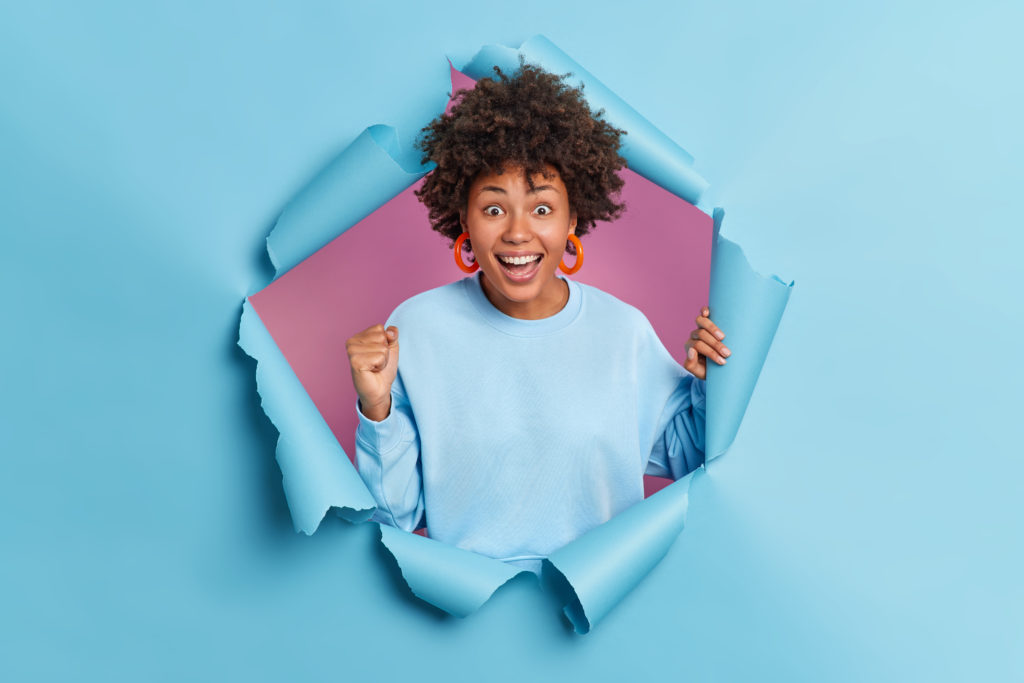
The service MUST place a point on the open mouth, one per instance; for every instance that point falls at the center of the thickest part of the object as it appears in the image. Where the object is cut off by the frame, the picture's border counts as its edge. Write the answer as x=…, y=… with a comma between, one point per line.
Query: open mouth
x=520, y=268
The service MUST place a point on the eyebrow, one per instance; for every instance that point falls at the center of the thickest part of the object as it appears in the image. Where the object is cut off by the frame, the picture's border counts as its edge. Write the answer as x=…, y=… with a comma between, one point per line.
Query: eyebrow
x=495, y=188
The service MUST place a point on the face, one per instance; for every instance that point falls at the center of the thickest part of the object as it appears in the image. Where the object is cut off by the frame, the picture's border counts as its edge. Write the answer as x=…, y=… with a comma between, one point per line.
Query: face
x=518, y=237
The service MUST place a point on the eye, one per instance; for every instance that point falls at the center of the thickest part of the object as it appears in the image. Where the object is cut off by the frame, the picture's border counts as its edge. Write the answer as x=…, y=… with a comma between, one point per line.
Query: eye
x=494, y=210
x=542, y=210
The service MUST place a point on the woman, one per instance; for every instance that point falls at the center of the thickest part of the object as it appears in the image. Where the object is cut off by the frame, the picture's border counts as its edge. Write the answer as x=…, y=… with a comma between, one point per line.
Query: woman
x=526, y=407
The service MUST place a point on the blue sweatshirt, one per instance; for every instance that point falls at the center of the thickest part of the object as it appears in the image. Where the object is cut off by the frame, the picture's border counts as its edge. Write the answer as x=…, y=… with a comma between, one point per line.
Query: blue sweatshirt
x=513, y=437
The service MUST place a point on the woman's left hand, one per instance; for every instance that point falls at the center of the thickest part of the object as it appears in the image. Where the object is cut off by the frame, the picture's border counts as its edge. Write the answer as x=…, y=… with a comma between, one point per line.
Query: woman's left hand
x=705, y=342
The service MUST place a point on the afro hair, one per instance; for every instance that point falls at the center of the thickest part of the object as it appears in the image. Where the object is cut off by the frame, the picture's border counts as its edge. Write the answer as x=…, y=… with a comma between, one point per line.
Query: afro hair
x=529, y=120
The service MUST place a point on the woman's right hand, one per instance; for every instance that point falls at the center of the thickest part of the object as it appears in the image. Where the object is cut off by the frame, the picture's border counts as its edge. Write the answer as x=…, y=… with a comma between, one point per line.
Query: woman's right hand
x=373, y=357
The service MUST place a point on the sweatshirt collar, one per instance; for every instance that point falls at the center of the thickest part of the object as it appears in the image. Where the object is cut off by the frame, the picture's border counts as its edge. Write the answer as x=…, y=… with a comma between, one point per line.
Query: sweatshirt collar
x=516, y=326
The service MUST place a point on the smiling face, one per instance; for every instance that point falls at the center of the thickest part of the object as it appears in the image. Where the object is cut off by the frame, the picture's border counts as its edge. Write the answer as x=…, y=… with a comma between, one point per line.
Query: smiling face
x=518, y=236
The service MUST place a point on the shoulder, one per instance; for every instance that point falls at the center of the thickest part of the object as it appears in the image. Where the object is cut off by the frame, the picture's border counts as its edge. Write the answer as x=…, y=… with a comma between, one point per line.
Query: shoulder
x=431, y=305
x=610, y=310
x=625, y=326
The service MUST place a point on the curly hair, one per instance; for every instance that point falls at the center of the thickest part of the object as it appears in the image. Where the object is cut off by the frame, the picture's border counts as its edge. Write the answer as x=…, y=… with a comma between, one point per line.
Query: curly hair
x=528, y=120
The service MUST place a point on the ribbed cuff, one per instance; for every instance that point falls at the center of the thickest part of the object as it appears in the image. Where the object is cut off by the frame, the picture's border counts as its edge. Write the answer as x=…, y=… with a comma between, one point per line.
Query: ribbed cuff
x=381, y=436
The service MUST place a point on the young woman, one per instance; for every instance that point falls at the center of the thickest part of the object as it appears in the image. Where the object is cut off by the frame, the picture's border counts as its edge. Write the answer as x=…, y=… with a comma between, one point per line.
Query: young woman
x=526, y=407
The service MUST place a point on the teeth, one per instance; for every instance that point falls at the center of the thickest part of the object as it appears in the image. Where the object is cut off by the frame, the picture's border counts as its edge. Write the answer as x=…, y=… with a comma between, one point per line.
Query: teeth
x=518, y=260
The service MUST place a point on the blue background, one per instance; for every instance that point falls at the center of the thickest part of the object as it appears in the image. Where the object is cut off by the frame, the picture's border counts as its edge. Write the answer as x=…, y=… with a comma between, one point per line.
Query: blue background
x=866, y=525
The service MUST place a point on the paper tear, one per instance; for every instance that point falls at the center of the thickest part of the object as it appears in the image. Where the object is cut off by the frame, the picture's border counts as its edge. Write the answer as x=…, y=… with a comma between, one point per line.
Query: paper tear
x=650, y=152
x=316, y=474
x=455, y=580
x=596, y=571
x=460, y=81
x=370, y=171
x=592, y=574
x=749, y=307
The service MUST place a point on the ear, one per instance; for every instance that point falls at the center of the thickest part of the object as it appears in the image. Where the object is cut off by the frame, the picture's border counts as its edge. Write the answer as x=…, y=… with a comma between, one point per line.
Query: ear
x=462, y=220
x=572, y=223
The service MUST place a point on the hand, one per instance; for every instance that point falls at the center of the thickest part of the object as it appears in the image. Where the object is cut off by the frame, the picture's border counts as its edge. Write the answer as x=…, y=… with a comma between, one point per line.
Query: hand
x=705, y=342
x=373, y=357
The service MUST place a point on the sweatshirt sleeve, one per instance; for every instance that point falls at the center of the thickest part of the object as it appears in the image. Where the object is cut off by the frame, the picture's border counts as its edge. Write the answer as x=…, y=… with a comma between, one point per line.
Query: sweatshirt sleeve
x=670, y=409
x=388, y=458
x=680, y=447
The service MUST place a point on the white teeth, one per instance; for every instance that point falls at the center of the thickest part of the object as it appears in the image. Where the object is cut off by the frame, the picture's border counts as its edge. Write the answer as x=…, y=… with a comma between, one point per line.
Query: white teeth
x=518, y=260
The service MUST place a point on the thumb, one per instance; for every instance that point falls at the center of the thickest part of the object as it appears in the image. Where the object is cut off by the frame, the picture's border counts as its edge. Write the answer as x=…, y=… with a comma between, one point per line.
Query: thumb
x=691, y=359
x=392, y=335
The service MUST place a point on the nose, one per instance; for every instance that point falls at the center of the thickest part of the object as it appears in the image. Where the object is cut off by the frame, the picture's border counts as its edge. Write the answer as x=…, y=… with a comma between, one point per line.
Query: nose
x=517, y=229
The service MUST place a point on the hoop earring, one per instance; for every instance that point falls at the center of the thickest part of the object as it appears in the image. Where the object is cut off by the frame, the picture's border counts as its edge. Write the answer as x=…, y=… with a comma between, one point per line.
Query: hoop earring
x=579, y=257
x=458, y=255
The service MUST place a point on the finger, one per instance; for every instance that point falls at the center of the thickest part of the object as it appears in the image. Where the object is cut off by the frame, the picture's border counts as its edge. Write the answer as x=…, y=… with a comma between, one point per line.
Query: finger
x=701, y=333
x=392, y=335
x=706, y=350
x=691, y=359
x=357, y=347
x=370, y=361
x=367, y=338
x=374, y=332
x=703, y=321
x=369, y=355
x=693, y=364
x=376, y=336
x=718, y=346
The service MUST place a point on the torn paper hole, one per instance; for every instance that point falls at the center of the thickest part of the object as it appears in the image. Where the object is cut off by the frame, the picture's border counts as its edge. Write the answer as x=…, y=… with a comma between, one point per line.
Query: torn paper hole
x=328, y=238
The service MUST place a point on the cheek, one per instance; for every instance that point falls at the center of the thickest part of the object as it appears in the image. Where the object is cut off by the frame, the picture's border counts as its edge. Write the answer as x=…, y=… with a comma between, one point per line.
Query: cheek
x=477, y=240
x=556, y=242
x=481, y=234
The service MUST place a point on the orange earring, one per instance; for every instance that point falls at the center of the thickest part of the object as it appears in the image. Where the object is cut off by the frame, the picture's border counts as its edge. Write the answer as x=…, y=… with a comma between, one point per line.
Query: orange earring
x=458, y=255
x=579, y=257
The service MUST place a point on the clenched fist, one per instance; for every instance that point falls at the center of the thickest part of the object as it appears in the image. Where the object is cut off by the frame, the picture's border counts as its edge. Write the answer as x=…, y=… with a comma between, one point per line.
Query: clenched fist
x=373, y=356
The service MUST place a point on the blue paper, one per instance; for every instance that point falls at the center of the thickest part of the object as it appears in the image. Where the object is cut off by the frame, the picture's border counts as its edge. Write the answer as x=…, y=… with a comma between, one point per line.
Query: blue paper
x=748, y=306
x=874, y=150
x=455, y=580
x=592, y=574
x=649, y=152
x=316, y=474
x=369, y=172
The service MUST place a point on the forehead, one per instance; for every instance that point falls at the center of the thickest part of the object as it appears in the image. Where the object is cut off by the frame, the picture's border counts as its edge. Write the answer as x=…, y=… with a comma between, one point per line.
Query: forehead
x=513, y=178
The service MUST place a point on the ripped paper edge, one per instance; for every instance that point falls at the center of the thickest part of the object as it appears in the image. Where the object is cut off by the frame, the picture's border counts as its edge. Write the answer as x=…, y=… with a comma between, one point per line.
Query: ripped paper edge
x=292, y=412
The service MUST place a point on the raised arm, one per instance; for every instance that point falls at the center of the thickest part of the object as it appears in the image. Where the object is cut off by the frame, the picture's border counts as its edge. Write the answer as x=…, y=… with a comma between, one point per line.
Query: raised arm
x=388, y=458
x=387, y=443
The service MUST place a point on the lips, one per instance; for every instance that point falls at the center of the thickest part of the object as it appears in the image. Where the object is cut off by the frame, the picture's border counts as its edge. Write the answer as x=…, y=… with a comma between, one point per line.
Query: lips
x=520, y=273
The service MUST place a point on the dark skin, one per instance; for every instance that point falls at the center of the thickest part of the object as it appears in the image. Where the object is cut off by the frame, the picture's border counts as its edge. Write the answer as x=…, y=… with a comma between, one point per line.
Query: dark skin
x=705, y=342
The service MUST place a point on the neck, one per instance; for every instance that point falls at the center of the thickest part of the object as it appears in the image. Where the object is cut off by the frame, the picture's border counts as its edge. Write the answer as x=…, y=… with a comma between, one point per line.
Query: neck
x=551, y=300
